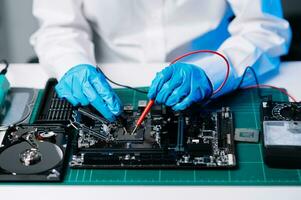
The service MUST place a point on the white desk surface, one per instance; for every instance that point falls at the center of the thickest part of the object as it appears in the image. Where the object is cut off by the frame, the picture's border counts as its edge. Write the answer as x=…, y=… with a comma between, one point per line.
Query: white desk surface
x=33, y=75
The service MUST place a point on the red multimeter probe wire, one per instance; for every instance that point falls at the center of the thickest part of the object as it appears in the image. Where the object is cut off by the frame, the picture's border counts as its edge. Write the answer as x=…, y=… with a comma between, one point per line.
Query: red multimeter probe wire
x=152, y=101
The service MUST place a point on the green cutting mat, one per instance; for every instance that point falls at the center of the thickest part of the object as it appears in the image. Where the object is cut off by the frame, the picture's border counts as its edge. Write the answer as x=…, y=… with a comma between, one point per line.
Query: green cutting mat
x=251, y=169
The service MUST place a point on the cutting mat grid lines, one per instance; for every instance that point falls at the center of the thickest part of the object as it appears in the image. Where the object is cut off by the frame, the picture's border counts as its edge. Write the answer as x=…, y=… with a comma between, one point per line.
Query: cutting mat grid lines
x=251, y=169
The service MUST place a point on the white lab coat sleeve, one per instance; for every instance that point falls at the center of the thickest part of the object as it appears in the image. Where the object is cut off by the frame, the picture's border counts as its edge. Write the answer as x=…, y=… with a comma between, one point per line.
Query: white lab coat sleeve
x=258, y=36
x=64, y=38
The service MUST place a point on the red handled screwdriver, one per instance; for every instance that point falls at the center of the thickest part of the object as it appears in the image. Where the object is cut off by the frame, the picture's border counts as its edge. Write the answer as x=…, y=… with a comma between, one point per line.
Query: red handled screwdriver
x=144, y=113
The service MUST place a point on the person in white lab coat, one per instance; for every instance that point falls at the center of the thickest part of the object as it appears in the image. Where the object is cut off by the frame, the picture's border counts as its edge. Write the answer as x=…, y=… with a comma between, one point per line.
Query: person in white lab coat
x=75, y=34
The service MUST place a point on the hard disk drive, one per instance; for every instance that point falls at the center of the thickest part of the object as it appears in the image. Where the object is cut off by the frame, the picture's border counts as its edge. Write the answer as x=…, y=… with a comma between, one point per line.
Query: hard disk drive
x=34, y=148
x=33, y=153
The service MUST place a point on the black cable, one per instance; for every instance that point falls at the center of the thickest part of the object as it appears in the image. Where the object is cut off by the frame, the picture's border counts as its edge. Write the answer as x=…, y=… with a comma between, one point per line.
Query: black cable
x=255, y=77
x=121, y=85
x=3, y=71
x=145, y=92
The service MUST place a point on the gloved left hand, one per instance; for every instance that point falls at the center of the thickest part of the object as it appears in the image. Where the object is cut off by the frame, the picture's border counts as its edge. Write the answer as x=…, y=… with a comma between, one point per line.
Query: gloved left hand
x=179, y=85
x=84, y=84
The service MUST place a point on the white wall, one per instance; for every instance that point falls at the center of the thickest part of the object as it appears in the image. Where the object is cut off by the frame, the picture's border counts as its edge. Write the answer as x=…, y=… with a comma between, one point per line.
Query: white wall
x=16, y=26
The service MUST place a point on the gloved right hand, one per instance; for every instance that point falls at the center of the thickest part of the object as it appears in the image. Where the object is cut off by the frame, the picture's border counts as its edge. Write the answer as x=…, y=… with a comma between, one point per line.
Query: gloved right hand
x=179, y=85
x=84, y=84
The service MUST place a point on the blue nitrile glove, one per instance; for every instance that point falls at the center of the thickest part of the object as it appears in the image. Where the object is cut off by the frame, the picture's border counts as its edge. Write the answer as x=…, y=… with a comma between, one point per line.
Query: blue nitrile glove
x=179, y=85
x=84, y=84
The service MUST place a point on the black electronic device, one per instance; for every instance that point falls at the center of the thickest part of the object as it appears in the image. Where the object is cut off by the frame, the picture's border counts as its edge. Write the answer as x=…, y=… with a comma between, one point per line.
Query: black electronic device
x=35, y=151
x=192, y=139
x=282, y=134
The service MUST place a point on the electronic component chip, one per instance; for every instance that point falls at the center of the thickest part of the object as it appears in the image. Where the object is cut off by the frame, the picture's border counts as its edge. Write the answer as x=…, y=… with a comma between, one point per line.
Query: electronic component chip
x=142, y=103
x=128, y=108
x=246, y=135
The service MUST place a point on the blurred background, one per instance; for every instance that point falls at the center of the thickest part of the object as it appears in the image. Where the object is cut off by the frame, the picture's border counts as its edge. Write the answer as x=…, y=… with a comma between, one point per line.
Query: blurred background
x=17, y=24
